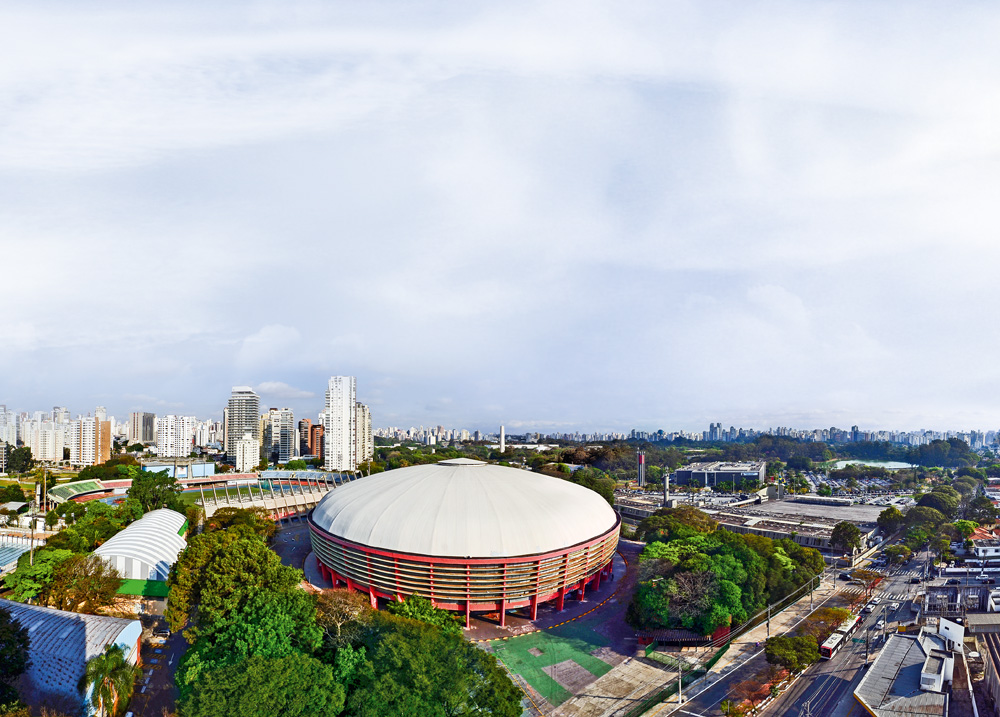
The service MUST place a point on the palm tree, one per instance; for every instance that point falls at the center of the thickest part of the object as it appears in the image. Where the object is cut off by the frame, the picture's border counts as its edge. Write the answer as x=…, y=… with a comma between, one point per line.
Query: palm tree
x=112, y=678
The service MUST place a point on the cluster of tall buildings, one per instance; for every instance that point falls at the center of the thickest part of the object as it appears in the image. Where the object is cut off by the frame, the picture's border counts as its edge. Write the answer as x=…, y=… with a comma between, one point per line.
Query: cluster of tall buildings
x=716, y=433
x=342, y=436
x=54, y=436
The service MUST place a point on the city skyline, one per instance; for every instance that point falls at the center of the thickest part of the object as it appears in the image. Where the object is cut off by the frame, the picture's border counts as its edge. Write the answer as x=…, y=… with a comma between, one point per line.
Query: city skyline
x=544, y=216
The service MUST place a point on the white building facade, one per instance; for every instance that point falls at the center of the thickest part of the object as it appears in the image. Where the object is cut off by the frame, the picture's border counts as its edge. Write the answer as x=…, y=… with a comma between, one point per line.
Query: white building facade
x=174, y=436
x=247, y=453
x=242, y=415
x=364, y=439
x=339, y=421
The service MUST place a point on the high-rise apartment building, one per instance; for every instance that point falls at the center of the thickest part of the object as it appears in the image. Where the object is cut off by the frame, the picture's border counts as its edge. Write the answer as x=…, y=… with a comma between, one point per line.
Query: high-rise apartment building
x=242, y=416
x=8, y=426
x=339, y=423
x=280, y=437
x=174, y=436
x=316, y=440
x=364, y=439
x=246, y=453
x=90, y=442
x=46, y=440
x=305, y=447
x=140, y=428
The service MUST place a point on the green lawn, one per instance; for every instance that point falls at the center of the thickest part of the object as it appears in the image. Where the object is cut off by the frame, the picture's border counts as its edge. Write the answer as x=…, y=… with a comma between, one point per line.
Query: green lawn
x=574, y=641
x=146, y=588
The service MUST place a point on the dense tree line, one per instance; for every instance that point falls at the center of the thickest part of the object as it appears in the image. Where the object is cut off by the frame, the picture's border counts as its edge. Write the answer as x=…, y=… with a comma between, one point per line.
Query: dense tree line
x=699, y=577
x=261, y=645
x=64, y=574
x=950, y=453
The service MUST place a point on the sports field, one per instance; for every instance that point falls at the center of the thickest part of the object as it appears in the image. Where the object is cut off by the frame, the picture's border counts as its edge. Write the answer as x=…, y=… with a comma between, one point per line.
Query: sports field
x=557, y=663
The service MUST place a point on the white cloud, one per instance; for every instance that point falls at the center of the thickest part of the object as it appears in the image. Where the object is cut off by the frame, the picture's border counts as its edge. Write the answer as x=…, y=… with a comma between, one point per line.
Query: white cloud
x=580, y=212
x=280, y=389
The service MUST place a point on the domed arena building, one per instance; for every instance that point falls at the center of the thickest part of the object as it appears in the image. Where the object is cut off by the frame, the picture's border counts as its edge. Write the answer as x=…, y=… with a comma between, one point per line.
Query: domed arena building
x=470, y=536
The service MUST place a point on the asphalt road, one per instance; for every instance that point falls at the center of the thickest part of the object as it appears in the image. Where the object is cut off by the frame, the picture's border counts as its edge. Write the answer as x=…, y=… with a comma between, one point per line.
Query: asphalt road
x=828, y=687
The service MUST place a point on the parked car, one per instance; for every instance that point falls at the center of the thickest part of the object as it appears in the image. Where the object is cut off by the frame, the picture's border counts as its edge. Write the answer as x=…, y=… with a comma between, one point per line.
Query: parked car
x=876, y=600
x=914, y=580
x=894, y=606
x=953, y=581
x=880, y=625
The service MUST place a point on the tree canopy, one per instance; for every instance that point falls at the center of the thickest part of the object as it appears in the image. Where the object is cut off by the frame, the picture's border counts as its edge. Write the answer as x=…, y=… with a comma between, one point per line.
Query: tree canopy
x=792, y=653
x=216, y=576
x=14, y=659
x=982, y=511
x=155, y=490
x=417, y=669
x=846, y=536
x=289, y=686
x=890, y=520
x=417, y=607
x=700, y=581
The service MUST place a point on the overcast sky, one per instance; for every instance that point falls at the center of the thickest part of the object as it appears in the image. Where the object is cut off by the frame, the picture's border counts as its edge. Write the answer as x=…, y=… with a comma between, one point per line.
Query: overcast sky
x=554, y=215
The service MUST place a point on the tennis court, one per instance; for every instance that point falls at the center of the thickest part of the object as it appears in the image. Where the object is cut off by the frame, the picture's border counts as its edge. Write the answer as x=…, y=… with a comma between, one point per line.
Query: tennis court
x=558, y=662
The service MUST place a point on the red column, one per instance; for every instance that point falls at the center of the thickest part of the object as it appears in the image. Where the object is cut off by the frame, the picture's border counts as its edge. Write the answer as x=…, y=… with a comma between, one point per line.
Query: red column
x=583, y=588
x=561, y=600
x=534, y=606
x=597, y=580
x=371, y=596
x=503, y=613
x=468, y=615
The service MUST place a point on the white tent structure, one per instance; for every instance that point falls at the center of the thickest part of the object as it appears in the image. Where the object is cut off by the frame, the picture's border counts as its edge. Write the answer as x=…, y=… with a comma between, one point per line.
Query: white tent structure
x=148, y=548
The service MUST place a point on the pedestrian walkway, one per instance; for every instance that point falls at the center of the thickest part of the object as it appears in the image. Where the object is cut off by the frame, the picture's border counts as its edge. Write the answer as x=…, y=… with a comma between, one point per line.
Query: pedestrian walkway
x=853, y=590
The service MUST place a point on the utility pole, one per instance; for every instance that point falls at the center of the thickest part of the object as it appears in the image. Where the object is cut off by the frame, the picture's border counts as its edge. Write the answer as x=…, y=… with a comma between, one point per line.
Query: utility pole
x=680, y=682
x=768, y=620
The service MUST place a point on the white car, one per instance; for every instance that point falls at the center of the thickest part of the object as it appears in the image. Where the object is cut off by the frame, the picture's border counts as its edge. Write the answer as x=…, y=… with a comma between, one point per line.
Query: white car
x=876, y=600
x=894, y=606
x=880, y=624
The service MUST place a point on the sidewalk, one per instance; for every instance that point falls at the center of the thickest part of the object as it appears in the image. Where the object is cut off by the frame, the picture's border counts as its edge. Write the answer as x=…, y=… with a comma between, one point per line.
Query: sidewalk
x=745, y=646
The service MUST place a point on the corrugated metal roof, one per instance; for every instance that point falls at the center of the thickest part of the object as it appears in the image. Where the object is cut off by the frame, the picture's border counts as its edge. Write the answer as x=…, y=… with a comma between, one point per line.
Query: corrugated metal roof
x=61, y=643
x=153, y=540
x=463, y=508
x=891, y=687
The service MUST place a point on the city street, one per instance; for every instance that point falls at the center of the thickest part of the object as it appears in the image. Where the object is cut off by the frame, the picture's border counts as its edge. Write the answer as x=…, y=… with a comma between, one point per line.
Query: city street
x=828, y=687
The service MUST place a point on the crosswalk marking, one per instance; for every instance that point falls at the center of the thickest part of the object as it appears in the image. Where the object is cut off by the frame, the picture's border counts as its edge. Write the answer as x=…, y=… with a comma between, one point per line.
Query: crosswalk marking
x=856, y=590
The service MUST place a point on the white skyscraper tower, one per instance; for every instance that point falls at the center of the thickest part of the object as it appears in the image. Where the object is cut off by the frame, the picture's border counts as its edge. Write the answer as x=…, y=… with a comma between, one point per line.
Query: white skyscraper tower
x=242, y=416
x=339, y=420
x=174, y=436
x=364, y=439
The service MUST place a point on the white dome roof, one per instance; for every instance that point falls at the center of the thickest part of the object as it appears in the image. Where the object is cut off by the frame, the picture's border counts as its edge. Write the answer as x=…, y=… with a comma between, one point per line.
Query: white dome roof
x=464, y=508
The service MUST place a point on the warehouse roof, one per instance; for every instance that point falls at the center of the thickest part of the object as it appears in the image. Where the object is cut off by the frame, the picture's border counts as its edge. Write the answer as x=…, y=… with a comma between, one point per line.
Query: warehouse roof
x=464, y=508
x=891, y=687
x=61, y=643
x=154, y=539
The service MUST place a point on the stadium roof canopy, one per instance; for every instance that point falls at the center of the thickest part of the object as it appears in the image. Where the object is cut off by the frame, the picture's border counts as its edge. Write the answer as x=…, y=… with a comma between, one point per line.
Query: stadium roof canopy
x=147, y=548
x=464, y=508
